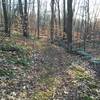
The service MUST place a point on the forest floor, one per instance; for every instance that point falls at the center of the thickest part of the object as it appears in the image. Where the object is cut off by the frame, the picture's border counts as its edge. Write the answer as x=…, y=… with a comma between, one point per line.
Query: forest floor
x=37, y=70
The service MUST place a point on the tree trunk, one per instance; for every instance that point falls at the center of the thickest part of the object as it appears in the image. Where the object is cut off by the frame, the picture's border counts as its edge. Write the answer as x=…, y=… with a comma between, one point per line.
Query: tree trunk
x=38, y=18
x=33, y=6
x=52, y=21
x=7, y=30
x=59, y=21
x=25, y=30
x=24, y=18
x=64, y=18
x=69, y=23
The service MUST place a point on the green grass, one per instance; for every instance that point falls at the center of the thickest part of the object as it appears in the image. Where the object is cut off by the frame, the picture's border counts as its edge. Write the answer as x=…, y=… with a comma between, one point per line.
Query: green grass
x=6, y=72
x=12, y=53
x=87, y=98
x=51, y=84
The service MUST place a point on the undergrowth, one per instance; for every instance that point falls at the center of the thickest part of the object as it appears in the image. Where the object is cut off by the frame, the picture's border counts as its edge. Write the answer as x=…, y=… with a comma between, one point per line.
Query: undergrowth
x=15, y=51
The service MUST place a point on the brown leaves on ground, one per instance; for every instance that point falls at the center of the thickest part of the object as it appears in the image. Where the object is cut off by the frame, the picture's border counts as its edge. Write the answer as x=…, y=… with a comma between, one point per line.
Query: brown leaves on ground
x=53, y=75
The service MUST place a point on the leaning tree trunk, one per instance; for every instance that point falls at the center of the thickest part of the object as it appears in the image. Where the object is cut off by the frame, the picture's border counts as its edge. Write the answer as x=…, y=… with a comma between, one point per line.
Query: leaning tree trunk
x=7, y=30
x=69, y=23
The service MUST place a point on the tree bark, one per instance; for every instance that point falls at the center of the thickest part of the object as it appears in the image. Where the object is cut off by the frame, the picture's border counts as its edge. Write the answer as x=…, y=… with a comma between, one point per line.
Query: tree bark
x=52, y=21
x=38, y=18
x=58, y=6
x=64, y=18
x=25, y=31
x=7, y=30
x=24, y=18
x=69, y=23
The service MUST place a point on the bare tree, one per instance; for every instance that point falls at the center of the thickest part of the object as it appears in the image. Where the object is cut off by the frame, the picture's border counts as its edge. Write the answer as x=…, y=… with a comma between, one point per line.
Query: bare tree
x=38, y=18
x=34, y=18
x=24, y=17
x=58, y=7
x=33, y=6
x=55, y=20
x=25, y=33
x=52, y=20
x=7, y=30
x=44, y=14
x=64, y=18
x=69, y=23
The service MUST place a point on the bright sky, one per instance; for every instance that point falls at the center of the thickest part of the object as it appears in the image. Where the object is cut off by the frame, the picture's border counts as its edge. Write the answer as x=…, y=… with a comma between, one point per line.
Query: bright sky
x=94, y=6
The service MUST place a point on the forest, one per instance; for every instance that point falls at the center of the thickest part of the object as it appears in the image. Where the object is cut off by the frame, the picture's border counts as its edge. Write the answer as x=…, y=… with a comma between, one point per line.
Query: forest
x=49, y=49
